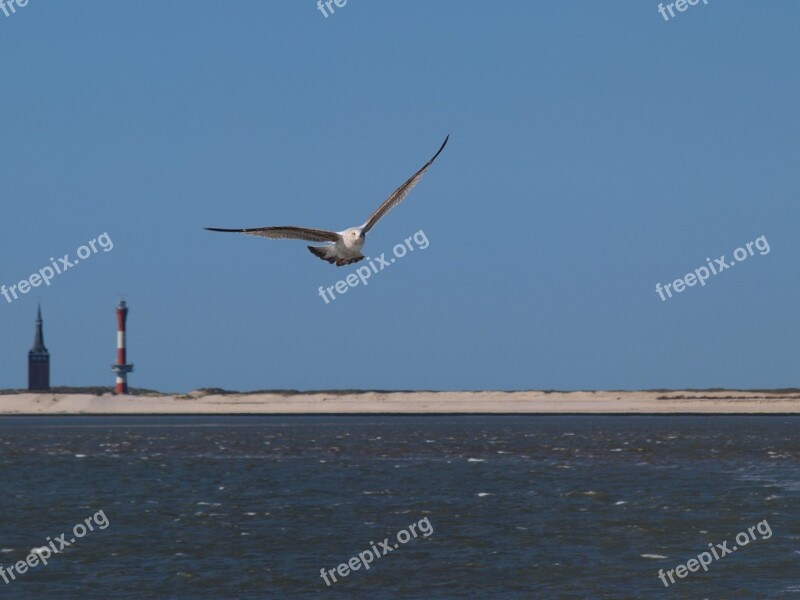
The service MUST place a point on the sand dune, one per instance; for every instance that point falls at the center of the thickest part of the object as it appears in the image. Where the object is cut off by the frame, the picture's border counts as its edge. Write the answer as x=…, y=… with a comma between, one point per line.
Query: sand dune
x=485, y=402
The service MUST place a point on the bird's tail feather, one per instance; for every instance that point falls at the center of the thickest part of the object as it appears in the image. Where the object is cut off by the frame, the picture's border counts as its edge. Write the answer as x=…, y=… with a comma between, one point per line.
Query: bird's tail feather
x=329, y=253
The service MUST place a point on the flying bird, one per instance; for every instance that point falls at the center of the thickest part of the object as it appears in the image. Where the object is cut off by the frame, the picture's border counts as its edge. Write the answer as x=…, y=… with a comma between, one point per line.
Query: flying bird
x=346, y=245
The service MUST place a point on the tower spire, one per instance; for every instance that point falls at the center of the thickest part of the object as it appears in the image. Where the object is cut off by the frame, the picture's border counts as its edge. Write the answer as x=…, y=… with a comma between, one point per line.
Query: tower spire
x=38, y=339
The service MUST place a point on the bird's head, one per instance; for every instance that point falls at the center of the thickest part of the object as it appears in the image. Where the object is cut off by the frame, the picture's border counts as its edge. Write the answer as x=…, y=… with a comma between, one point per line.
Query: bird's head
x=355, y=234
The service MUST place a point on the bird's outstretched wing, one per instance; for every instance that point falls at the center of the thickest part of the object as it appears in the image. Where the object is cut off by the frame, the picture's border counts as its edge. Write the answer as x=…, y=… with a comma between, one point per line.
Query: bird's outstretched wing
x=293, y=233
x=400, y=193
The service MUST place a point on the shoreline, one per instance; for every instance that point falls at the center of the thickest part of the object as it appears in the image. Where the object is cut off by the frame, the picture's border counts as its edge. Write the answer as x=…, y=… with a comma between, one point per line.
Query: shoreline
x=672, y=402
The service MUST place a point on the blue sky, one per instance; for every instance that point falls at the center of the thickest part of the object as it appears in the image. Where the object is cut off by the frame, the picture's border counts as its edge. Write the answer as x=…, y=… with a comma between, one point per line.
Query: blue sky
x=595, y=151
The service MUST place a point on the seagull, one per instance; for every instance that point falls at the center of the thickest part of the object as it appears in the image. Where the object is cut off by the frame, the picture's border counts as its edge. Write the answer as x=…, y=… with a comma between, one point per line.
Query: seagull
x=346, y=245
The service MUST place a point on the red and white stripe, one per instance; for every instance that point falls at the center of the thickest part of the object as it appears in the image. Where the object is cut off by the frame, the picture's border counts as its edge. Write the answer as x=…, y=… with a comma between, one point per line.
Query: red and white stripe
x=122, y=368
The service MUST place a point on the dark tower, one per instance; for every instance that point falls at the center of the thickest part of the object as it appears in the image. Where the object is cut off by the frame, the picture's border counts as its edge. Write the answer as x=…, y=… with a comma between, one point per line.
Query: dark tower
x=39, y=360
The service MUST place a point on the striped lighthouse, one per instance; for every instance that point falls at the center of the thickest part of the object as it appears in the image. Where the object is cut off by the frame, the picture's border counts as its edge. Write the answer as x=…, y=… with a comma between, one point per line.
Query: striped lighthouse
x=121, y=368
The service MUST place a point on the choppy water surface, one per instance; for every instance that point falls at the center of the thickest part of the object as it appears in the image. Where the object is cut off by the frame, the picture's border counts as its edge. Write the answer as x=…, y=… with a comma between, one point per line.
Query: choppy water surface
x=521, y=507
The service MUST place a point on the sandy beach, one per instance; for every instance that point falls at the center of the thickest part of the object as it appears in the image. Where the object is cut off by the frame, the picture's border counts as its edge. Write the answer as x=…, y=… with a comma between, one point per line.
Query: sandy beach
x=484, y=402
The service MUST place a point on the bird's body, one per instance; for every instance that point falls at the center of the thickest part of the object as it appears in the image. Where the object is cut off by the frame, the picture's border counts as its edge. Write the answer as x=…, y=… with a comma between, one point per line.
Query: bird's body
x=345, y=247
x=344, y=251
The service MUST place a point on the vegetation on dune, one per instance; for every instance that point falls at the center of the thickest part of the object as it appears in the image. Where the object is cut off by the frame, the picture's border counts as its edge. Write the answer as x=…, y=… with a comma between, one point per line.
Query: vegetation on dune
x=94, y=390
